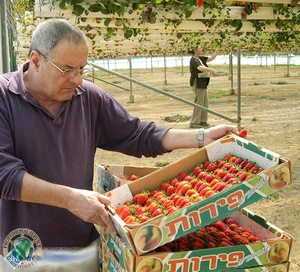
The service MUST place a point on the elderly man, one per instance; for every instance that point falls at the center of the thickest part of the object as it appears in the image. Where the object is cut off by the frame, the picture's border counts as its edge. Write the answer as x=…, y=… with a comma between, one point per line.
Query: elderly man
x=51, y=122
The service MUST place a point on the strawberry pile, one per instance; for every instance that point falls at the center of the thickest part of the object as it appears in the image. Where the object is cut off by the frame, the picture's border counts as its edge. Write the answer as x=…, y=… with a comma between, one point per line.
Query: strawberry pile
x=205, y=180
x=220, y=234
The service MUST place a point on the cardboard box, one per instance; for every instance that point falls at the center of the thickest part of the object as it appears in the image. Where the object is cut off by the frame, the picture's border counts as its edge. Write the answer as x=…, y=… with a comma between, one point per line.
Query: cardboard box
x=187, y=220
x=111, y=176
x=270, y=254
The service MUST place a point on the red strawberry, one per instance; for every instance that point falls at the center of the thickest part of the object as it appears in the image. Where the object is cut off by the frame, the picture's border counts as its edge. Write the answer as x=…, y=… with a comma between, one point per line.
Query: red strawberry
x=123, y=211
x=181, y=176
x=243, y=133
x=170, y=190
x=141, y=198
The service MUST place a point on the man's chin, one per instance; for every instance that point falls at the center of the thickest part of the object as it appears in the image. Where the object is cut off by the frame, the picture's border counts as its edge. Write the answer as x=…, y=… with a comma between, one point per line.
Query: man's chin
x=68, y=94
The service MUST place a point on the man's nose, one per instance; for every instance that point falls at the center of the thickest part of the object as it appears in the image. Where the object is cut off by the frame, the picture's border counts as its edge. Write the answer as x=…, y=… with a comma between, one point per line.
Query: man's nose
x=76, y=78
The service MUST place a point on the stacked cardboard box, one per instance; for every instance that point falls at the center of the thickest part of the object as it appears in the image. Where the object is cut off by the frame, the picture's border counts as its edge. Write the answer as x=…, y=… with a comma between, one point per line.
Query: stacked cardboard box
x=131, y=243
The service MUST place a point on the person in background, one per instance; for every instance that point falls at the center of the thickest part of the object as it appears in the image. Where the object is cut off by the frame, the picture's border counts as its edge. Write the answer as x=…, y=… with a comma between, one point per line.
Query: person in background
x=199, y=80
x=51, y=122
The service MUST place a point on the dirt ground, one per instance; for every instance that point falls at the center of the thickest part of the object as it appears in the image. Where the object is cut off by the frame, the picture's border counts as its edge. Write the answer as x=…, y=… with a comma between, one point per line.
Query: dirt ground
x=270, y=111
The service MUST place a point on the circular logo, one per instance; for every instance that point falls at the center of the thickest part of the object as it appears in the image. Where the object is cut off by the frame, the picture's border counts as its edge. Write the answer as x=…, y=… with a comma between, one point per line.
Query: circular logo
x=148, y=238
x=22, y=247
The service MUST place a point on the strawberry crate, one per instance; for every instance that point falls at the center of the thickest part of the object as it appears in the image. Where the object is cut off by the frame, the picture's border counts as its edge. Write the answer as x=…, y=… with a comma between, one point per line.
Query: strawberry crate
x=260, y=173
x=269, y=253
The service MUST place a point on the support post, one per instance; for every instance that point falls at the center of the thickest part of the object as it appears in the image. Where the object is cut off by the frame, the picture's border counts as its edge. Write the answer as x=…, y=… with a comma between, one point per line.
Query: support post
x=288, y=65
x=151, y=63
x=239, y=86
x=165, y=70
x=182, y=65
x=131, y=96
x=232, y=92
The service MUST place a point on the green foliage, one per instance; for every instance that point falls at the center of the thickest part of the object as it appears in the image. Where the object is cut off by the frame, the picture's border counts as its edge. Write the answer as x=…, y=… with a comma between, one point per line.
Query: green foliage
x=223, y=35
x=21, y=6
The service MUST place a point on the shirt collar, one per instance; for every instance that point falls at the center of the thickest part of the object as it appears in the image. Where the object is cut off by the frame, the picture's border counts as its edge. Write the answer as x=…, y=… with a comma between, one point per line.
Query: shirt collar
x=17, y=86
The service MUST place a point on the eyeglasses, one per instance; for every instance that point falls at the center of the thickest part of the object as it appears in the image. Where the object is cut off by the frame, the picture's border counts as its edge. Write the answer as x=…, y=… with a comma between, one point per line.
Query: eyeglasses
x=67, y=71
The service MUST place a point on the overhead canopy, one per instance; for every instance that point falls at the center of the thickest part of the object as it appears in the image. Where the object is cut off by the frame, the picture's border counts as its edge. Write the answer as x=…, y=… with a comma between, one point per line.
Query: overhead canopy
x=120, y=28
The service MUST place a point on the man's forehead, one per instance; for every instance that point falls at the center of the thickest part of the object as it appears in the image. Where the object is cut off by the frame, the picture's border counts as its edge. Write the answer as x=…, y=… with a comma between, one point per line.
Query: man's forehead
x=70, y=53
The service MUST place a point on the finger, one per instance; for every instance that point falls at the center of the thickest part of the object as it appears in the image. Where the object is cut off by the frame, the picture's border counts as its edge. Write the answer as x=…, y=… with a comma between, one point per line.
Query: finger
x=103, y=199
x=232, y=129
x=98, y=221
x=105, y=216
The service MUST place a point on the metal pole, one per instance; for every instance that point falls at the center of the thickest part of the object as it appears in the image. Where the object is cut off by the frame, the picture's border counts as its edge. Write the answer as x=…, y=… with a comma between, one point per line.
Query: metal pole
x=165, y=93
x=261, y=60
x=112, y=84
x=231, y=74
x=131, y=96
x=93, y=74
x=232, y=91
x=3, y=30
x=274, y=62
x=239, y=88
x=182, y=65
x=288, y=65
x=165, y=70
x=108, y=68
x=151, y=63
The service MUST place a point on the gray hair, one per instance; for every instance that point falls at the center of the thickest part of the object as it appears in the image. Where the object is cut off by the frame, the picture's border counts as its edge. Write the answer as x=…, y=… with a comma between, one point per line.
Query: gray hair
x=50, y=32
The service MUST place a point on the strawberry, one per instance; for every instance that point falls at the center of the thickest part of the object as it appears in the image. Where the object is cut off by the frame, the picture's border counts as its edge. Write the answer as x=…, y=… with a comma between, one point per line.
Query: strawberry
x=191, y=192
x=130, y=219
x=220, y=225
x=181, y=176
x=199, y=3
x=143, y=218
x=170, y=190
x=209, y=193
x=141, y=198
x=164, y=186
x=196, y=170
x=156, y=212
x=243, y=133
x=171, y=209
x=188, y=178
x=123, y=211
x=195, y=197
x=174, y=181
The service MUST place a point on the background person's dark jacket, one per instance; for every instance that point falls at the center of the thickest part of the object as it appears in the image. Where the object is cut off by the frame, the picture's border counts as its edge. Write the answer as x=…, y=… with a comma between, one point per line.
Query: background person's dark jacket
x=202, y=82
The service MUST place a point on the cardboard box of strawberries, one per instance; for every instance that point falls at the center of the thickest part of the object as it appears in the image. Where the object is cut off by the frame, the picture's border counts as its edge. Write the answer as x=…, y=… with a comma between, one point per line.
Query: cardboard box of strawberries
x=241, y=242
x=198, y=190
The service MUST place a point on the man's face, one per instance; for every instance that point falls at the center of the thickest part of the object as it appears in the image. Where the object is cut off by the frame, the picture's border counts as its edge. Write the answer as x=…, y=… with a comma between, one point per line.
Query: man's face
x=199, y=51
x=60, y=72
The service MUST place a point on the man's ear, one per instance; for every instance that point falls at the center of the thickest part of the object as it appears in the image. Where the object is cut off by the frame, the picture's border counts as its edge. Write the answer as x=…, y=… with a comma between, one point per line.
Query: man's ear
x=35, y=59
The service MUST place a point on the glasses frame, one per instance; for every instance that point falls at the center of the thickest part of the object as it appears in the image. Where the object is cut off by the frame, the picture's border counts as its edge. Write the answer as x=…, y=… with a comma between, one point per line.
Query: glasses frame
x=68, y=71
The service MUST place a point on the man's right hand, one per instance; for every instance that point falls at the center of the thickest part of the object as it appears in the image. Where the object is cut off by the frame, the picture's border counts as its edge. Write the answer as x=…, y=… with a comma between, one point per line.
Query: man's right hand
x=90, y=207
x=213, y=72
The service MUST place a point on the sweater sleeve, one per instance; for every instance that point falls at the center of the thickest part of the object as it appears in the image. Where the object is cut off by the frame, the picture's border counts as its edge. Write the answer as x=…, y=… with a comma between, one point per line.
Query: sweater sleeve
x=118, y=131
x=12, y=169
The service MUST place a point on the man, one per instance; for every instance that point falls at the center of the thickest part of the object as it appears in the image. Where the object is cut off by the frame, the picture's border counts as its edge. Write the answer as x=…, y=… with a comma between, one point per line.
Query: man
x=51, y=122
x=199, y=80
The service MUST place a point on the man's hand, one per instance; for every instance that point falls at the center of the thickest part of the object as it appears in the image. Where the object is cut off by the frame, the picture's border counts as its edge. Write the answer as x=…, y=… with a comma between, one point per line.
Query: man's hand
x=90, y=207
x=214, y=133
x=213, y=72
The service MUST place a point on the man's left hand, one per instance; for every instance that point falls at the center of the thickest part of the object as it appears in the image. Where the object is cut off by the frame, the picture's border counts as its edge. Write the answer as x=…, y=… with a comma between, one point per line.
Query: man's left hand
x=214, y=133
